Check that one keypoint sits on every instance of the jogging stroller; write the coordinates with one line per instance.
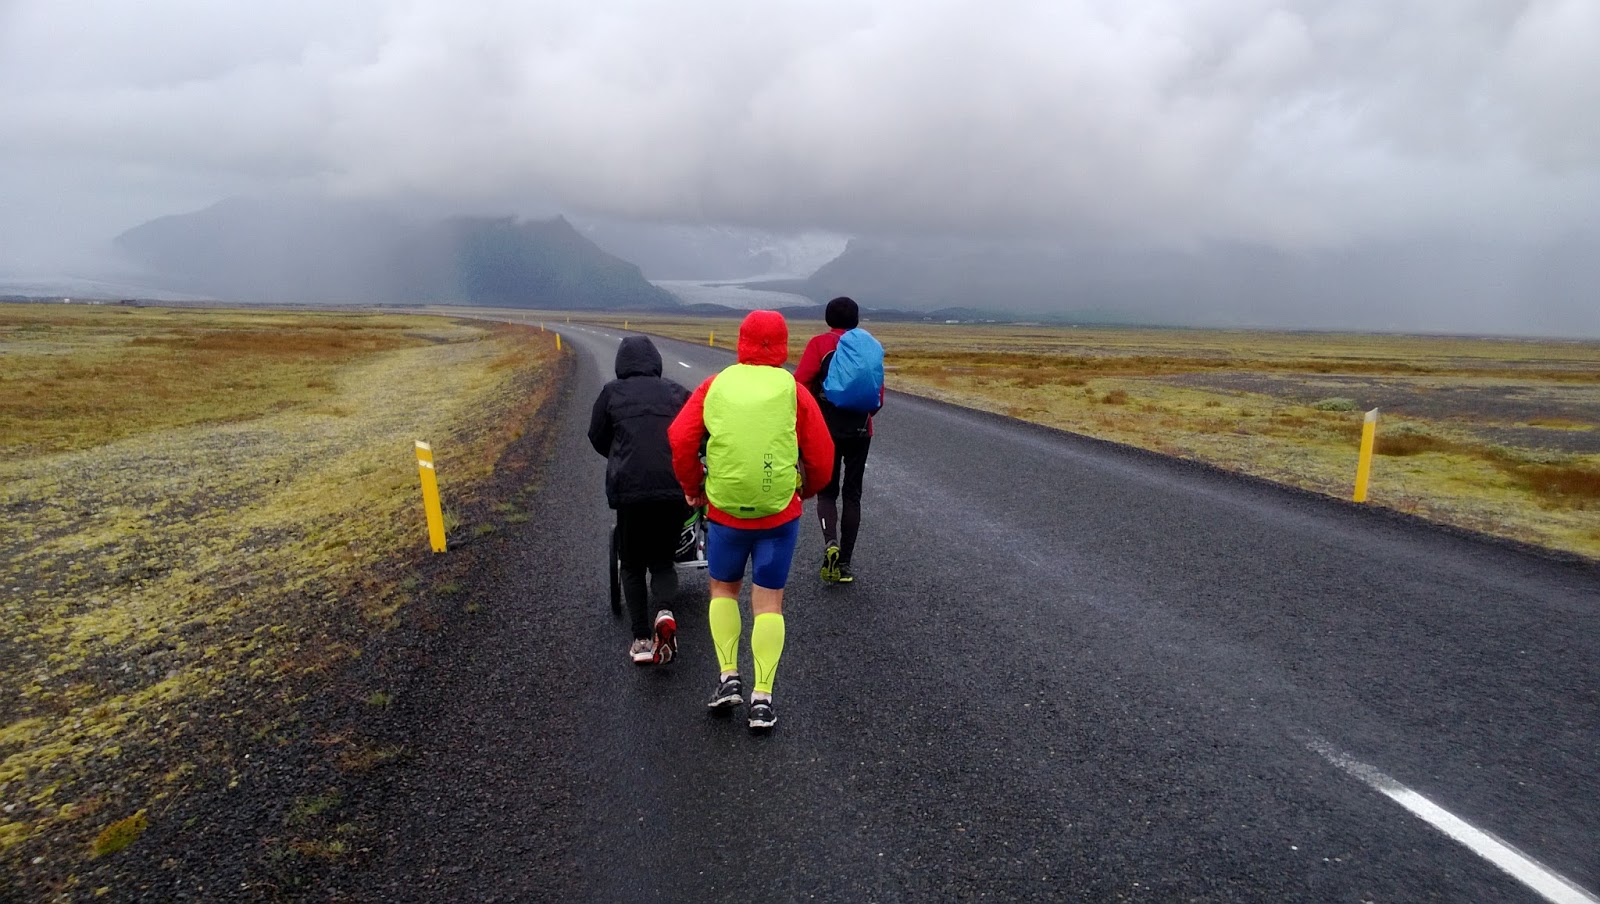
(691, 553)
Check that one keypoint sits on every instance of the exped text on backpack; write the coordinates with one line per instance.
(855, 375)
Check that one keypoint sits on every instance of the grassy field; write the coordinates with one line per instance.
(195, 502)
(1500, 436)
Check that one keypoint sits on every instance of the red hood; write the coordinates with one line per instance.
(764, 339)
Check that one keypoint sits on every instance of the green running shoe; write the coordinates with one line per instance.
(830, 564)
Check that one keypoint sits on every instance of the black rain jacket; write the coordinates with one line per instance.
(629, 427)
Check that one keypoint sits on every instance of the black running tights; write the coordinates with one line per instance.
(647, 540)
(849, 469)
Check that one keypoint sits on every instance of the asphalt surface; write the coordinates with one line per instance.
(1067, 671)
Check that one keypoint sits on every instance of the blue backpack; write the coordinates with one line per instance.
(855, 375)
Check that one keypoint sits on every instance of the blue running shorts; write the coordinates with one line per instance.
(769, 550)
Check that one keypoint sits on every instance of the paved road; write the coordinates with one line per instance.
(1067, 672)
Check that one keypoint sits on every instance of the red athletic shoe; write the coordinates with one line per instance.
(666, 636)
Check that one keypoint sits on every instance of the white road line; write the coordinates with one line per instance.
(681, 364)
(1553, 886)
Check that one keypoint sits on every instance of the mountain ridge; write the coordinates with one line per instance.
(1449, 284)
(341, 252)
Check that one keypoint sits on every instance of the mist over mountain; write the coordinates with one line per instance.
(307, 250)
(1446, 284)
(695, 252)
(316, 250)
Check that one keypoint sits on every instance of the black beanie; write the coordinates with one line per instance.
(842, 313)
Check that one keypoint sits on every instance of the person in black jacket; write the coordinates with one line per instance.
(629, 427)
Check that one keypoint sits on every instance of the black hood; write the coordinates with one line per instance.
(637, 357)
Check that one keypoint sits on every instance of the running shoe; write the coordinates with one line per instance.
(730, 693)
(842, 574)
(830, 564)
(642, 652)
(666, 640)
(762, 718)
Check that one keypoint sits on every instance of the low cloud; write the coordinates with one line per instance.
(1171, 123)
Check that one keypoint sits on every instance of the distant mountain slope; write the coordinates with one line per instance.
(330, 252)
(968, 280)
(1448, 284)
(541, 264)
(933, 273)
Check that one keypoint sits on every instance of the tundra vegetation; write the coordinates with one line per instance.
(1500, 436)
(205, 512)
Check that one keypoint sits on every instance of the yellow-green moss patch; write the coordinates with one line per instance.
(120, 834)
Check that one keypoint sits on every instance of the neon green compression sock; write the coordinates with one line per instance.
(766, 645)
(725, 630)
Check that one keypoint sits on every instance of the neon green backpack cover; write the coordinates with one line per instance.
(751, 448)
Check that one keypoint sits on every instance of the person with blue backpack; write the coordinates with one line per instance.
(843, 370)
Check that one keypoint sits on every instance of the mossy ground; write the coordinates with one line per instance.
(1501, 436)
(170, 567)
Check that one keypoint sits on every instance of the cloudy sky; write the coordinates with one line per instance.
(1168, 123)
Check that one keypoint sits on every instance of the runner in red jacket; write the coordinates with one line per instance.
(766, 448)
(852, 438)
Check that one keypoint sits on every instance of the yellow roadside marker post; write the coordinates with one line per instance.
(1369, 433)
(624, 324)
(430, 496)
(711, 340)
(558, 342)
